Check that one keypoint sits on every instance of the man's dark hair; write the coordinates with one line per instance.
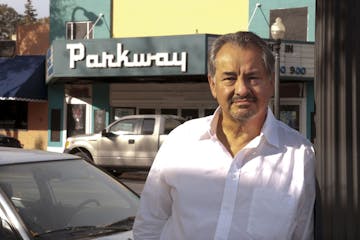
(244, 40)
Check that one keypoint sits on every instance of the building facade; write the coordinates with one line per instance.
(296, 57)
(113, 58)
(23, 93)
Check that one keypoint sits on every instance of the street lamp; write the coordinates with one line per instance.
(277, 33)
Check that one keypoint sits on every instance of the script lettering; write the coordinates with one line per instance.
(124, 59)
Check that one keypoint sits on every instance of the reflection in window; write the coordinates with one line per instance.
(148, 126)
(289, 114)
(146, 111)
(125, 126)
(14, 115)
(189, 113)
(209, 112)
(76, 119)
(79, 30)
(170, 124)
(171, 111)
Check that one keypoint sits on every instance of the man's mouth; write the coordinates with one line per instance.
(245, 100)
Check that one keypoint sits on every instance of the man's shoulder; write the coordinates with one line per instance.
(194, 127)
(288, 135)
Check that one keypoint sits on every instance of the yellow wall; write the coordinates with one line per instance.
(166, 17)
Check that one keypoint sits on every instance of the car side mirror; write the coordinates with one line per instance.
(104, 133)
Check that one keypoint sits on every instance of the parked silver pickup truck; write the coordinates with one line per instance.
(126, 144)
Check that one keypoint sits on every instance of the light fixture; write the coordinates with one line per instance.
(278, 29)
(277, 33)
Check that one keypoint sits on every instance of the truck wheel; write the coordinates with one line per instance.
(84, 155)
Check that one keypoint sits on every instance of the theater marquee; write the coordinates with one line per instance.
(128, 57)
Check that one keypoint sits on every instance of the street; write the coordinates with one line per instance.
(134, 180)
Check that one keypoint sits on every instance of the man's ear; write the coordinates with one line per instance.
(211, 81)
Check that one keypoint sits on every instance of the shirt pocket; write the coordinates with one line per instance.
(271, 214)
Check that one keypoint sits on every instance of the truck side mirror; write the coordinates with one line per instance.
(104, 133)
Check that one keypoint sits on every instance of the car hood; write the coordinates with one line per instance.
(119, 236)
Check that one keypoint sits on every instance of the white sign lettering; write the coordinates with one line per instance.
(121, 59)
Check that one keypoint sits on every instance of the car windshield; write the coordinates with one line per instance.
(59, 196)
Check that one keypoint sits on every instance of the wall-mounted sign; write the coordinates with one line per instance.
(129, 57)
(156, 56)
(296, 59)
(123, 58)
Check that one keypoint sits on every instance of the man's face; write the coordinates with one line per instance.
(241, 84)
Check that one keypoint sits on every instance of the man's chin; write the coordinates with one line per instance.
(242, 114)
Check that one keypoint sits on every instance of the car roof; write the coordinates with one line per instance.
(9, 155)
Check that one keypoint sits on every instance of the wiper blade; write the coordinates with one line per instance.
(74, 230)
(124, 224)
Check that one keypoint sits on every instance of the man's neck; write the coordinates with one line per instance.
(235, 135)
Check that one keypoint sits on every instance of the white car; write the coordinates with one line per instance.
(46, 195)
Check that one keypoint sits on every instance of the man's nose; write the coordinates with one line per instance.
(241, 87)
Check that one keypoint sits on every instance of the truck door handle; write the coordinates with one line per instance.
(131, 141)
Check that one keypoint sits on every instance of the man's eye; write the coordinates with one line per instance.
(229, 79)
(253, 79)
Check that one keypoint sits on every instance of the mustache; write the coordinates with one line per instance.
(248, 97)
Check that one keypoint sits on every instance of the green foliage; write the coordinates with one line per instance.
(29, 13)
(9, 18)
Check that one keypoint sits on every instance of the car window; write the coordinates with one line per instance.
(148, 126)
(126, 126)
(60, 194)
(20, 186)
(170, 124)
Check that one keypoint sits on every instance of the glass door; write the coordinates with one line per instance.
(76, 119)
(78, 110)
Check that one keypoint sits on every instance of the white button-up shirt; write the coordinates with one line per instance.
(196, 190)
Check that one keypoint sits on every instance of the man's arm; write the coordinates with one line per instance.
(304, 229)
(155, 202)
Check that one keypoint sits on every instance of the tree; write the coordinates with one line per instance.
(9, 18)
(29, 13)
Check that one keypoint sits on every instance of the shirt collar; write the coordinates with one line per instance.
(268, 131)
(211, 122)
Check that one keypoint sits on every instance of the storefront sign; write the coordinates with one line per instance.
(116, 58)
(159, 57)
(296, 59)
(78, 51)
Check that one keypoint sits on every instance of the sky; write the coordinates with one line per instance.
(41, 6)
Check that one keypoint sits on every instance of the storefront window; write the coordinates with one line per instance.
(14, 115)
(55, 125)
(289, 114)
(99, 123)
(171, 111)
(209, 112)
(121, 112)
(189, 113)
(79, 30)
(146, 111)
(76, 119)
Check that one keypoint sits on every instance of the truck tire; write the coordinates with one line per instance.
(84, 156)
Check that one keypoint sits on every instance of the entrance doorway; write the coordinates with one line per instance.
(78, 110)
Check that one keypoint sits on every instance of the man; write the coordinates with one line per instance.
(239, 174)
